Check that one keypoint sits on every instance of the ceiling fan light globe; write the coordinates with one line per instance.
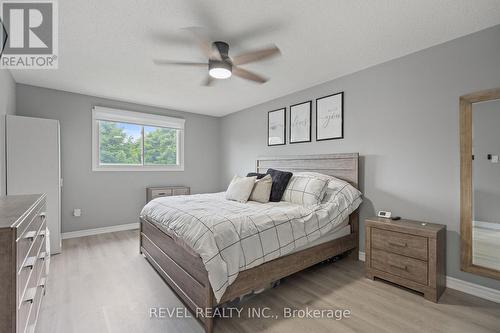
(219, 73)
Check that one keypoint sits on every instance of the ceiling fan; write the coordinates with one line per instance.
(220, 65)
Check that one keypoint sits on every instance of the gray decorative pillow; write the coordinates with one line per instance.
(305, 190)
(262, 189)
(240, 188)
(280, 181)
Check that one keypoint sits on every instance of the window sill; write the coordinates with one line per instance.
(138, 168)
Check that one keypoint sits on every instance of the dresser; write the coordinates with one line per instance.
(22, 261)
(408, 253)
(165, 191)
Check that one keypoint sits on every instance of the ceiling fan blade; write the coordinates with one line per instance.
(204, 43)
(208, 81)
(252, 56)
(247, 75)
(179, 63)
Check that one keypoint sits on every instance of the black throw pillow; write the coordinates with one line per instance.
(255, 174)
(280, 181)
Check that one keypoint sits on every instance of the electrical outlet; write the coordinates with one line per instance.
(494, 159)
(77, 212)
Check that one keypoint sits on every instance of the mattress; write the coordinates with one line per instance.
(231, 237)
(343, 230)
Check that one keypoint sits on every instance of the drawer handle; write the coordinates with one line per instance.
(163, 193)
(404, 268)
(42, 283)
(30, 235)
(42, 256)
(398, 244)
(43, 215)
(42, 233)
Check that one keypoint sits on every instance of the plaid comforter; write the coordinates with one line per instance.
(231, 237)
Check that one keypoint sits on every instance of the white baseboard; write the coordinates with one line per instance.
(464, 286)
(473, 289)
(96, 231)
(486, 225)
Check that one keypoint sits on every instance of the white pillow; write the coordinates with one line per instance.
(262, 189)
(240, 188)
(306, 189)
(315, 175)
(336, 187)
(340, 188)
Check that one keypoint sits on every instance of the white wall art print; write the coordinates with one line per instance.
(300, 122)
(330, 117)
(276, 123)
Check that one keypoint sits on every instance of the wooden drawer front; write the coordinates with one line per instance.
(25, 243)
(28, 275)
(26, 239)
(161, 193)
(33, 216)
(180, 191)
(23, 313)
(396, 242)
(407, 268)
(29, 305)
(35, 308)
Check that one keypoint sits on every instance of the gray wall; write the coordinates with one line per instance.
(486, 175)
(402, 117)
(7, 106)
(113, 198)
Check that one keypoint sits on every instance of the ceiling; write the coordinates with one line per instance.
(106, 47)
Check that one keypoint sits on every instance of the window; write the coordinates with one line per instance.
(134, 141)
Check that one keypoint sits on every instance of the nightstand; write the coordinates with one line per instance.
(408, 253)
(165, 191)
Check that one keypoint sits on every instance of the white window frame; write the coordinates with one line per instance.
(139, 118)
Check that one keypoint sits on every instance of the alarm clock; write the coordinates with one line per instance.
(384, 214)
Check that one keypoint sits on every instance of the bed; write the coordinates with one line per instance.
(203, 249)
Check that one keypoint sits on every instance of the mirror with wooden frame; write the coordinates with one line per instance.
(480, 183)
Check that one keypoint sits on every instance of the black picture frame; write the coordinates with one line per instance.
(341, 115)
(5, 36)
(310, 122)
(269, 128)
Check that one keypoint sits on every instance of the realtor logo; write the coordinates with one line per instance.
(31, 35)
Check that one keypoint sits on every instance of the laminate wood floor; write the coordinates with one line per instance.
(102, 284)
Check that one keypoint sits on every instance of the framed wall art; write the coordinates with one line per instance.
(300, 122)
(276, 127)
(330, 117)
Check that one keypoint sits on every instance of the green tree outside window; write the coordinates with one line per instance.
(121, 143)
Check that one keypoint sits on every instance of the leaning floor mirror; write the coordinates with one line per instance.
(480, 183)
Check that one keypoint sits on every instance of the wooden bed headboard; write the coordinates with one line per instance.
(342, 166)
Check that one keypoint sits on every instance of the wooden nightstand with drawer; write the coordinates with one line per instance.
(408, 253)
(165, 191)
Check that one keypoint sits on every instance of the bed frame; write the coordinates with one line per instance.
(183, 269)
